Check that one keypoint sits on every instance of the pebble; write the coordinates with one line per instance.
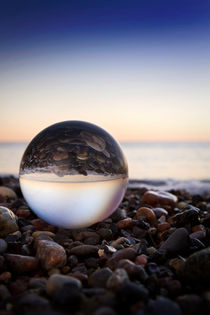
(21, 264)
(5, 276)
(141, 259)
(23, 213)
(134, 271)
(161, 306)
(146, 213)
(105, 311)
(117, 279)
(190, 216)
(57, 281)
(84, 250)
(163, 226)
(197, 266)
(7, 192)
(3, 246)
(125, 224)
(124, 241)
(38, 233)
(200, 235)
(176, 243)
(51, 254)
(105, 234)
(160, 199)
(177, 263)
(118, 215)
(41, 225)
(190, 304)
(4, 292)
(131, 294)
(99, 278)
(8, 222)
(159, 212)
(125, 253)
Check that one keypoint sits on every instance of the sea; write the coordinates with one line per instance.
(165, 164)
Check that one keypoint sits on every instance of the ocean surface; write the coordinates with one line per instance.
(146, 160)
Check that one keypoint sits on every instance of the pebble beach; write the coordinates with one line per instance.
(151, 256)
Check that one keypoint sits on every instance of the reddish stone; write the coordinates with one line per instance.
(141, 259)
(163, 226)
(5, 276)
(147, 213)
(160, 199)
(41, 225)
(23, 213)
(51, 254)
(20, 263)
(125, 223)
(125, 253)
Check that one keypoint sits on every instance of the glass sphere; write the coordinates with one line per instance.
(73, 174)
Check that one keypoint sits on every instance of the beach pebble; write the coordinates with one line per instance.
(197, 266)
(41, 225)
(121, 241)
(125, 253)
(146, 213)
(188, 216)
(20, 263)
(125, 224)
(159, 212)
(4, 292)
(105, 234)
(130, 294)
(177, 263)
(57, 281)
(117, 279)
(159, 199)
(141, 259)
(5, 276)
(38, 233)
(51, 254)
(161, 305)
(177, 242)
(99, 278)
(7, 192)
(23, 213)
(133, 270)
(190, 303)
(8, 222)
(118, 215)
(200, 235)
(105, 311)
(84, 250)
(3, 246)
(161, 227)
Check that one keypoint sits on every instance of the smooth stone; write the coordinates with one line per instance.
(176, 243)
(99, 278)
(190, 216)
(125, 224)
(200, 235)
(20, 263)
(3, 246)
(190, 303)
(159, 212)
(105, 233)
(33, 303)
(51, 254)
(117, 279)
(7, 192)
(8, 222)
(131, 293)
(41, 225)
(134, 271)
(120, 241)
(125, 253)
(38, 233)
(161, 199)
(56, 281)
(197, 267)
(118, 215)
(161, 306)
(84, 250)
(146, 213)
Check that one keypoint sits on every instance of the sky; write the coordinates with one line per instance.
(139, 69)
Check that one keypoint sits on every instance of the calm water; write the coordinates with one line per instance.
(145, 160)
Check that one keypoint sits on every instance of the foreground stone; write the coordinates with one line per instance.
(20, 263)
(51, 254)
(8, 222)
(57, 281)
(7, 192)
(160, 199)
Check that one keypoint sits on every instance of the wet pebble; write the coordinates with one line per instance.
(118, 215)
(84, 250)
(20, 263)
(99, 277)
(160, 212)
(160, 199)
(146, 213)
(8, 222)
(176, 243)
(133, 270)
(197, 266)
(125, 253)
(51, 254)
(7, 192)
(188, 216)
(125, 224)
(161, 306)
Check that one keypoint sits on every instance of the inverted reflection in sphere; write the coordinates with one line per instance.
(73, 174)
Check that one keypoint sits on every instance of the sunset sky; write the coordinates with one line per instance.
(139, 69)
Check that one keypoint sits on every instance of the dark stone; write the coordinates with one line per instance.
(20, 263)
(84, 250)
(177, 243)
(161, 306)
(99, 278)
(125, 253)
(129, 294)
(118, 215)
(190, 215)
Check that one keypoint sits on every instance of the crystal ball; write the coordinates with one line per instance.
(73, 174)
